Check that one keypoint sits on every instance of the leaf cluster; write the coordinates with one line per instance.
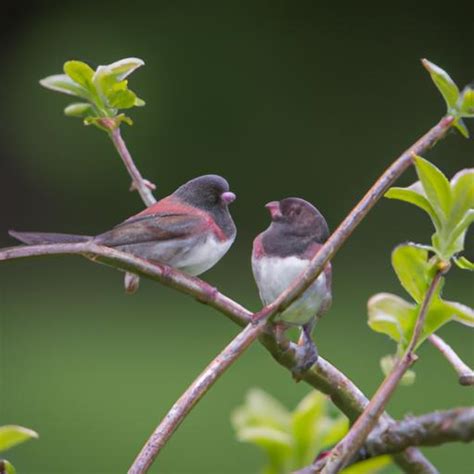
(103, 92)
(290, 439)
(459, 104)
(450, 206)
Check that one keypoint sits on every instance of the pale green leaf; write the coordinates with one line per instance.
(457, 235)
(413, 270)
(261, 409)
(79, 72)
(466, 105)
(462, 189)
(413, 197)
(119, 69)
(449, 90)
(79, 109)
(392, 315)
(436, 186)
(464, 263)
(305, 425)
(460, 312)
(275, 443)
(439, 313)
(11, 435)
(63, 83)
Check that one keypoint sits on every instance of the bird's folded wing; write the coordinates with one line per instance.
(152, 228)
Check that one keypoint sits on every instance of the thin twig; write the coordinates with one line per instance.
(317, 264)
(432, 429)
(465, 373)
(351, 443)
(143, 186)
(192, 395)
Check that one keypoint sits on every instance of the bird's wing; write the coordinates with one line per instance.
(153, 228)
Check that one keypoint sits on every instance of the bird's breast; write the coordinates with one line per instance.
(275, 274)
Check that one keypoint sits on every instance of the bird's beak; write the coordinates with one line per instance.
(228, 197)
(274, 208)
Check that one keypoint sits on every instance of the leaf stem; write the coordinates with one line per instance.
(465, 373)
(351, 443)
(142, 185)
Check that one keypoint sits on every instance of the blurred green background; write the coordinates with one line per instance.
(282, 98)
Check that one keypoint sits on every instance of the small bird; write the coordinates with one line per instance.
(190, 230)
(280, 254)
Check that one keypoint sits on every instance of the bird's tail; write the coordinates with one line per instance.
(40, 238)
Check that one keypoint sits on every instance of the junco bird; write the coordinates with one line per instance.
(190, 230)
(280, 254)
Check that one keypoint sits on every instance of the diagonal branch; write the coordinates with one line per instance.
(192, 395)
(209, 295)
(344, 451)
(432, 429)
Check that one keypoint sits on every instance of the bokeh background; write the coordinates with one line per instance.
(283, 98)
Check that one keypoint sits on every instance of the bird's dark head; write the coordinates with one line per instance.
(206, 192)
(298, 217)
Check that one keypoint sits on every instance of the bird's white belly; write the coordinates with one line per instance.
(274, 275)
(190, 256)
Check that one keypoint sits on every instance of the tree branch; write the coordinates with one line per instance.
(323, 376)
(143, 186)
(431, 429)
(209, 295)
(192, 395)
(350, 444)
(465, 373)
(329, 249)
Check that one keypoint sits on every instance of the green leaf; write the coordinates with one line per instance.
(124, 99)
(462, 189)
(461, 127)
(461, 313)
(411, 196)
(436, 186)
(464, 263)
(119, 69)
(449, 90)
(456, 238)
(275, 443)
(439, 313)
(11, 435)
(305, 426)
(392, 315)
(388, 362)
(109, 79)
(261, 409)
(466, 102)
(79, 109)
(64, 84)
(413, 269)
(6, 467)
(80, 72)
